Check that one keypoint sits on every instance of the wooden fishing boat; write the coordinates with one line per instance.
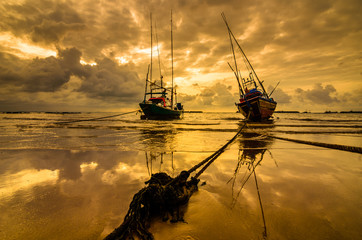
(156, 108)
(254, 101)
(160, 102)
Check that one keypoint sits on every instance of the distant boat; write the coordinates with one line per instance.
(254, 103)
(156, 103)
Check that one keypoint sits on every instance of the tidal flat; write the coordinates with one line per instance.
(76, 180)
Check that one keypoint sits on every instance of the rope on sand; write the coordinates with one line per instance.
(319, 144)
(215, 155)
(92, 119)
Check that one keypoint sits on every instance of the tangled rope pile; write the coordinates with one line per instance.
(163, 196)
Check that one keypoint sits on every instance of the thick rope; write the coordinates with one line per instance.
(213, 156)
(319, 144)
(92, 119)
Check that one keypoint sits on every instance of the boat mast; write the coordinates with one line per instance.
(227, 25)
(151, 56)
(171, 63)
(240, 88)
(158, 52)
(237, 75)
(148, 71)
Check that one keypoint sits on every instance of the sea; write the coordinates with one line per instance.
(73, 175)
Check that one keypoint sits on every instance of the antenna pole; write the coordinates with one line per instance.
(151, 47)
(148, 71)
(274, 89)
(151, 56)
(158, 52)
(171, 63)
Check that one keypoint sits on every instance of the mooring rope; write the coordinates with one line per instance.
(92, 119)
(215, 155)
(319, 144)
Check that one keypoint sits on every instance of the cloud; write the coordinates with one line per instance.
(44, 75)
(217, 96)
(318, 95)
(46, 22)
(40, 74)
(10, 66)
(300, 42)
(109, 80)
(280, 95)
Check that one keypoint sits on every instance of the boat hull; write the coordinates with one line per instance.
(260, 108)
(155, 112)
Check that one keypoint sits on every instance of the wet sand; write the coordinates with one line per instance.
(304, 192)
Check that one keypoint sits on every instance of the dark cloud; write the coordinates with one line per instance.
(40, 74)
(44, 75)
(319, 94)
(106, 81)
(44, 21)
(10, 67)
(51, 32)
(109, 80)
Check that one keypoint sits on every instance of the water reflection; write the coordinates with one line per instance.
(252, 148)
(159, 143)
(159, 162)
(159, 138)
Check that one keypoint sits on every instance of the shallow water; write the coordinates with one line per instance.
(76, 180)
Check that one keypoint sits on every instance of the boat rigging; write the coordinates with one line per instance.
(159, 106)
(254, 99)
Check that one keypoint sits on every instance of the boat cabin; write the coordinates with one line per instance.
(158, 101)
(251, 94)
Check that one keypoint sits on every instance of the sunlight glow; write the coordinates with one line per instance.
(267, 49)
(148, 50)
(86, 63)
(188, 52)
(121, 60)
(249, 30)
(25, 180)
(22, 48)
(111, 176)
(122, 171)
(134, 16)
(88, 166)
(179, 22)
(193, 70)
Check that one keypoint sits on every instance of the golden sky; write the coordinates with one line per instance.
(87, 55)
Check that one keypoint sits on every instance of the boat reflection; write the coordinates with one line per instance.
(159, 162)
(159, 145)
(252, 149)
(159, 139)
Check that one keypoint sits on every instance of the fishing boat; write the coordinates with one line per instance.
(160, 102)
(254, 102)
